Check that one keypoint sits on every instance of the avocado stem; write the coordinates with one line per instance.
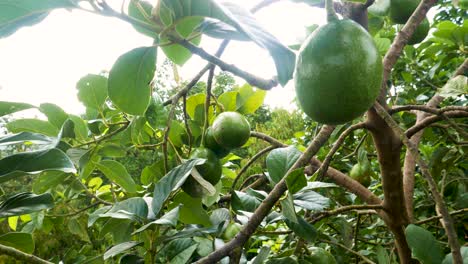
(331, 14)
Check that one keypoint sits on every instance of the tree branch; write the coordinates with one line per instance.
(248, 77)
(367, 260)
(336, 146)
(440, 205)
(400, 41)
(321, 215)
(269, 201)
(21, 256)
(436, 217)
(249, 163)
(432, 119)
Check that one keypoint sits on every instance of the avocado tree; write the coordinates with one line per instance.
(371, 169)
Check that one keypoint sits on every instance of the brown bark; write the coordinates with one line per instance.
(388, 147)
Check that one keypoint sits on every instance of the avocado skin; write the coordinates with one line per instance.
(401, 10)
(231, 130)
(338, 73)
(420, 33)
(211, 143)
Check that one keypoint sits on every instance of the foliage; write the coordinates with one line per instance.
(111, 178)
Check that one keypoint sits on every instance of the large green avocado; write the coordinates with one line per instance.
(401, 10)
(211, 143)
(211, 171)
(338, 72)
(420, 33)
(231, 130)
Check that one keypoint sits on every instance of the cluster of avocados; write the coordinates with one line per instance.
(229, 130)
(401, 11)
(338, 71)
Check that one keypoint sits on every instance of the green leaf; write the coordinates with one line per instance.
(302, 229)
(129, 80)
(21, 241)
(115, 250)
(219, 216)
(464, 252)
(239, 18)
(248, 100)
(77, 226)
(241, 201)
(261, 256)
(26, 137)
(34, 126)
(455, 87)
(152, 173)
(287, 208)
(170, 218)
(156, 114)
(382, 255)
(54, 113)
(296, 180)
(424, 246)
(192, 211)
(228, 100)
(30, 163)
(311, 200)
(7, 108)
(192, 102)
(15, 14)
(92, 90)
(171, 182)
(25, 203)
(184, 256)
(48, 180)
(117, 173)
(173, 248)
(383, 44)
(279, 161)
(220, 30)
(283, 260)
(112, 150)
(134, 208)
(141, 10)
(379, 7)
(175, 52)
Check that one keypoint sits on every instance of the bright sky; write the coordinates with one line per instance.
(43, 63)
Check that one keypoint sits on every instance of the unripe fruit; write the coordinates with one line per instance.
(211, 143)
(320, 256)
(401, 10)
(338, 73)
(211, 171)
(420, 33)
(231, 231)
(361, 172)
(231, 130)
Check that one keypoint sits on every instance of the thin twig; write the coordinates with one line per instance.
(21, 256)
(321, 215)
(321, 171)
(436, 217)
(209, 85)
(90, 194)
(248, 164)
(76, 212)
(349, 250)
(187, 127)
